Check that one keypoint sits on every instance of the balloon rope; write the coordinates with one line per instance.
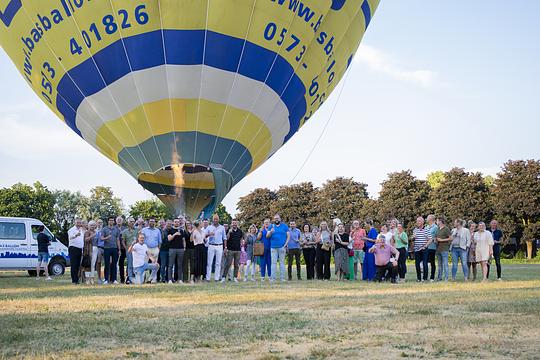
(324, 128)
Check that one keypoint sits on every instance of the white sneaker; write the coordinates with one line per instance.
(222, 280)
(104, 282)
(170, 281)
(235, 280)
(499, 279)
(252, 278)
(115, 282)
(245, 279)
(37, 278)
(180, 282)
(48, 278)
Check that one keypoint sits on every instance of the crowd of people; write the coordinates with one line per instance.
(180, 251)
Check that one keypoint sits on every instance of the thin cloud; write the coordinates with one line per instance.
(378, 60)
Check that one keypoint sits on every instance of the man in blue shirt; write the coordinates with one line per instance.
(152, 237)
(293, 250)
(279, 236)
(432, 247)
(497, 241)
(216, 235)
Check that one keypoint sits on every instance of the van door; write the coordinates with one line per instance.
(13, 245)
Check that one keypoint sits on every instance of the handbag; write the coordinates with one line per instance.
(325, 246)
(86, 261)
(258, 249)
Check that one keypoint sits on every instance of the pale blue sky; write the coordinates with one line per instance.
(434, 85)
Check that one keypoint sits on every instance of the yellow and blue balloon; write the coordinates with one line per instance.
(188, 96)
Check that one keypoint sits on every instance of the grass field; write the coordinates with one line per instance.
(295, 320)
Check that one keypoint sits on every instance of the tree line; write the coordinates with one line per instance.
(512, 197)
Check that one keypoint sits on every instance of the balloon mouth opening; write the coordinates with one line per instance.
(184, 188)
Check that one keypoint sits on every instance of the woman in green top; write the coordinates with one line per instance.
(401, 241)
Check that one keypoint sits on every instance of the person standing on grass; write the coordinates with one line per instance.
(432, 248)
(163, 258)
(233, 247)
(86, 266)
(97, 251)
(459, 248)
(129, 237)
(341, 254)
(443, 240)
(497, 242)
(198, 236)
(140, 253)
(388, 235)
(111, 238)
(369, 268)
(189, 254)
(152, 237)
(251, 238)
(43, 241)
(266, 259)
(176, 237)
(401, 241)
(216, 236)
(324, 251)
(279, 236)
(307, 240)
(123, 249)
(422, 240)
(293, 251)
(386, 259)
(76, 244)
(357, 235)
(471, 256)
(484, 248)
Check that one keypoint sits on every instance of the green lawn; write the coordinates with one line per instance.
(296, 320)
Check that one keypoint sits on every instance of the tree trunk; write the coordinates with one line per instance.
(529, 250)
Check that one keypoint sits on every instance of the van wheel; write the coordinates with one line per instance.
(57, 268)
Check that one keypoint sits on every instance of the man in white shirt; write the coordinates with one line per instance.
(76, 244)
(216, 236)
(139, 251)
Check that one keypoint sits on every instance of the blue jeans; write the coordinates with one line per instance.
(139, 272)
(459, 253)
(278, 254)
(163, 265)
(442, 263)
(266, 263)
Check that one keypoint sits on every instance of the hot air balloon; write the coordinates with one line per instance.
(187, 96)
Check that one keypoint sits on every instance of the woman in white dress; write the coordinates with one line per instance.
(484, 247)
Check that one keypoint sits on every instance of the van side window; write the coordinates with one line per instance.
(12, 231)
(35, 233)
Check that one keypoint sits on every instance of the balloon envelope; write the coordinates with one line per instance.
(188, 96)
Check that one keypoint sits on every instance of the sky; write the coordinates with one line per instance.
(434, 85)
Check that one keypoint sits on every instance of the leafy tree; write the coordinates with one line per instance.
(67, 206)
(102, 203)
(296, 202)
(224, 216)
(341, 197)
(517, 197)
(22, 200)
(404, 197)
(256, 206)
(152, 208)
(435, 179)
(370, 210)
(462, 195)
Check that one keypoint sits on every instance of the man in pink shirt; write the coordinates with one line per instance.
(384, 261)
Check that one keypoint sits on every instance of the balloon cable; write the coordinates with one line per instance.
(324, 128)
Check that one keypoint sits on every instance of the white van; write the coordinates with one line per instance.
(19, 248)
